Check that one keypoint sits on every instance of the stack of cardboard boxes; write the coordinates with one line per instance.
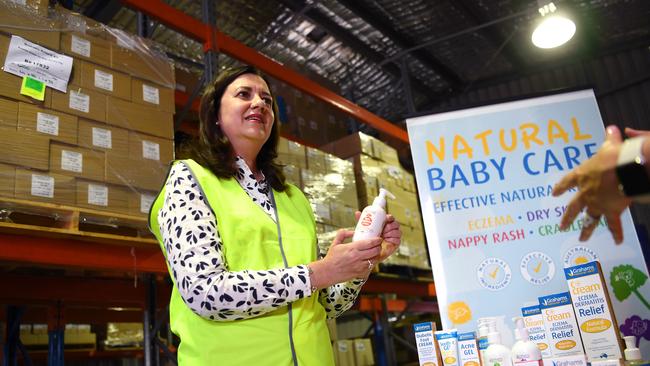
(105, 143)
(376, 165)
(327, 181)
(306, 117)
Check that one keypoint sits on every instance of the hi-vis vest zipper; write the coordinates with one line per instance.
(291, 335)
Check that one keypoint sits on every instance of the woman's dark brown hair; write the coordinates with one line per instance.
(213, 150)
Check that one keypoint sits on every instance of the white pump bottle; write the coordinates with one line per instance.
(372, 219)
(496, 354)
(524, 351)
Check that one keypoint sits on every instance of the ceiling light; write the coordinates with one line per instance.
(554, 30)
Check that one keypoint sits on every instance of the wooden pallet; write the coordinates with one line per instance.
(24, 217)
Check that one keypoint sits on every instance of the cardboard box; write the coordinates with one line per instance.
(29, 24)
(153, 95)
(103, 80)
(45, 187)
(102, 196)
(8, 113)
(140, 202)
(141, 118)
(363, 355)
(102, 136)
(132, 59)
(134, 173)
(81, 102)
(292, 153)
(7, 180)
(344, 352)
(292, 175)
(24, 148)
(53, 124)
(316, 160)
(120, 170)
(186, 81)
(351, 145)
(10, 88)
(150, 149)
(77, 161)
(87, 47)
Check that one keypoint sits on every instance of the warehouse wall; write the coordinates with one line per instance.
(621, 82)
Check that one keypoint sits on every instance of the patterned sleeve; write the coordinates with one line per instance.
(194, 252)
(338, 298)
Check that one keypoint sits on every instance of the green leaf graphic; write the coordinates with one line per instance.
(625, 280)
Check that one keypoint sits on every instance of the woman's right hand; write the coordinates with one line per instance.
(345, 262)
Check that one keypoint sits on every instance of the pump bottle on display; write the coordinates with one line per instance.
(524, 352)
(372, 219)
(632, 353)
(496, 354)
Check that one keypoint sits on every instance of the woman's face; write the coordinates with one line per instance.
(246, 111)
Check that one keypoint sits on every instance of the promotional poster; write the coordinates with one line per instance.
(485, 177)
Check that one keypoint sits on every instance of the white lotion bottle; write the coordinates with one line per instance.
(524, 351)
(497, 354)
(372, 219)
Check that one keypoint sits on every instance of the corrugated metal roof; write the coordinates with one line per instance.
(350, 43)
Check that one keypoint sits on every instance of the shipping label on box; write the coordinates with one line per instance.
(87, 47)
(97, 135)
(46, 187)
(81, 102)
(77, 161)
(105, 80)
(56, 125)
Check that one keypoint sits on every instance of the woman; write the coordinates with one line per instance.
(240, 243)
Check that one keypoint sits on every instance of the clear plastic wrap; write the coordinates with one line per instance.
(87, 161)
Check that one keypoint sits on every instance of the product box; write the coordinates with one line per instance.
(150, 149)
(56, 125)
(534, 322)
(77, 161)
(344, 352)
(102, 196)
(102, 79)
(363, 355)
(102, 136)
(135, 57)
(121, 170)
(448, 345)
(428, 354)
(468, 349)
(561, 326)
(593, 309)
(8, 113)
(140, 118)
(46, 187)
(153, 95)
(573, 360)
(81, 102)
(24, 148)
(87, 47)
(7, 180)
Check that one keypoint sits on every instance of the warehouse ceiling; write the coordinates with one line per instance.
(363, 48)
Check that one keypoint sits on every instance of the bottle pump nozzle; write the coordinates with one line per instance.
(380, 200)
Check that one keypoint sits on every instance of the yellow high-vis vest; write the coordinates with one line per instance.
(291, 335)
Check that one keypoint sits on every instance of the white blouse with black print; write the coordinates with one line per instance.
(194, 253)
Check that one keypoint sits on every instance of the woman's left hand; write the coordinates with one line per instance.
(391, 234)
